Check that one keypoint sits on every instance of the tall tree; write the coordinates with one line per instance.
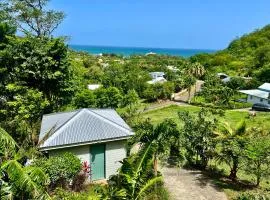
(198, 134)
(32, 16)
(158, 136)
(232, 143)
(257, 153)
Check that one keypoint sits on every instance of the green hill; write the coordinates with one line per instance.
(248, 55)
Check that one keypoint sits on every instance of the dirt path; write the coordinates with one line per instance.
(190, 185)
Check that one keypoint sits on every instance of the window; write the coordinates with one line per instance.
(250, 97)
(261, 100)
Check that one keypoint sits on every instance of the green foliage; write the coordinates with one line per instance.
(85, 99)
(131, 98)
(32, 16)
(236, 83)
(245, 56)
(231, 144)
(253, 196)
(159, 91)
(6, 30)
(20, 181)
(8, 145)
(109, 97)
(61, 168)
(257, 153)
(136, 177)
(215, 92)
(35, 78)
(94, 193)
(198, 135)
(264, 74)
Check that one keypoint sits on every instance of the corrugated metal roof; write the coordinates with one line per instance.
(265, 87)
(256, 93)
(82, 126)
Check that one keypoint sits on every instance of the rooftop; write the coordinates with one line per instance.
(81, 126)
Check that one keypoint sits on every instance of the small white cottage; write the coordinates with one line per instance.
(260, 95)
(97, 136)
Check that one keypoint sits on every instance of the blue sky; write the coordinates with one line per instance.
(196, 24)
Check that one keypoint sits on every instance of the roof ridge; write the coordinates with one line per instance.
(109, 119)
(72, 117)
(54, 131)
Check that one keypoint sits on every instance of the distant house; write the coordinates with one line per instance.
(93, 86)
(150, 53)
(157, 77)
(224, 77)
(260, 95)
(97, 136)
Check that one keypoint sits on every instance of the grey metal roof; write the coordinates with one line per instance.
(82, 126)
(265, 87)
(257, 93)
(263, 91)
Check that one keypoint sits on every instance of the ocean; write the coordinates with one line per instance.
(127, 51)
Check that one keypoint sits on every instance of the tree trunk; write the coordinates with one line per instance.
(189, 91)
(155, 165)
(258, 180)
(234, 169)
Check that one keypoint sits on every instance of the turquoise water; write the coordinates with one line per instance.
(127, 51)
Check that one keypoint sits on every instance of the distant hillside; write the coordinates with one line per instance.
(248, 55)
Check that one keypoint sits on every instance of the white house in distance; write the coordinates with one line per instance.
(157, 77)
(97, 136)
(260, 95)
(93, 86)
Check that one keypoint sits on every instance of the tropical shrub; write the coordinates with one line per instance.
(110, 97)
(85, 99)
(231, 143)
(257, 152)
(61, 169)
(131, 98)
(198, 133)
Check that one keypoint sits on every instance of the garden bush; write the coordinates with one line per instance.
(61, 168)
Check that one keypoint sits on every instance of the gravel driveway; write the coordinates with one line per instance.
(190, 185)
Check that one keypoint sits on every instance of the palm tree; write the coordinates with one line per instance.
(231, 143)
(188, 81)
(159, 136)
(29, 181)
(197, 70)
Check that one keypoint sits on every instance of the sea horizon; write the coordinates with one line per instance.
(127, 51)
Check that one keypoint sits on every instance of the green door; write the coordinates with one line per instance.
(97, 153)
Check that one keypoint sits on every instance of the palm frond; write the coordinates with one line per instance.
(138, 167)
(8, 144)
(143, 157)
(25, 179)
(240, 128)
(149, 184)
(5, 191)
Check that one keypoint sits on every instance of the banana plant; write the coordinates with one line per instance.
(23, 181)
(136, 175)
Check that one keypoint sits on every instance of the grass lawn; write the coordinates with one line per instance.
(231, 116)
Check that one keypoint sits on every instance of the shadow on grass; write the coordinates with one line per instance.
(221, 181)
